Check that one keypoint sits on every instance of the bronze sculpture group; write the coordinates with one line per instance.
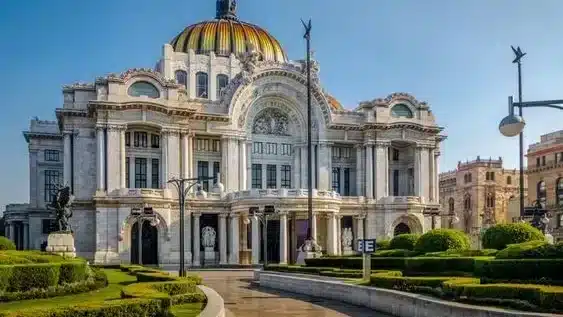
(61, 206)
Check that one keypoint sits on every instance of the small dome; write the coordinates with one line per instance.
(226, 35)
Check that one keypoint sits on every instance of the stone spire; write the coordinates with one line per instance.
(226, 9)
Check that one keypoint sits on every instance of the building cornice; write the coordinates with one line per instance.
(41, 135)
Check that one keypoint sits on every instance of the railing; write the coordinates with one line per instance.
(144, 192)
(297, 193)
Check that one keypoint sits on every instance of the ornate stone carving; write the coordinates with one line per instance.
(347, 238)
(208, 236)
(271, 121)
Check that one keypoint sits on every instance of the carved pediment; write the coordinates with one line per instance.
(271, 121)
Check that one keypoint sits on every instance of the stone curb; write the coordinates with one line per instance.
(396, 303)
(215, 306)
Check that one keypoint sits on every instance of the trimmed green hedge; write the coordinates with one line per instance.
(6, 244)
(501, 235)
(395, 253)
(540, 271)
(22, 257)
(461, 253)
(382, 244)
(537, 249)
(405, 241)
(22, 277)
(442, 240)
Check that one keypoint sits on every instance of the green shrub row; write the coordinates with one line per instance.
(395, 253)
(404, 241)
(501, 235)
(23, 257)
(522, 296)
(6, 244)
(324, 271)
(96, 281)
(22, 277)
(540, 271)
(442, 240)
(536, 249)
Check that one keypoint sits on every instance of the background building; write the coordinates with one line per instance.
(225, 101)
(545, 174)
(478, 193)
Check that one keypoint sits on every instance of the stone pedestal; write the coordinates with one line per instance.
(549, 238)
(209, 255)
(309, 250)
(61, 243)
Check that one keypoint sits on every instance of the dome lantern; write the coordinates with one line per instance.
(226, 9)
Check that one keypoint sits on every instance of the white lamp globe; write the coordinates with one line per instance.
(511, 125)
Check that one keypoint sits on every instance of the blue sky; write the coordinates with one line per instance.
(453, 54)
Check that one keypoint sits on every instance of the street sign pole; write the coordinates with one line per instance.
(367, 247)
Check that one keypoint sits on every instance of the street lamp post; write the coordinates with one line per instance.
(263, 217)
(513, 125)
(140, 216)
(183, 186)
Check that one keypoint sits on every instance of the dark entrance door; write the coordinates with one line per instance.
(273, 234)
(149, 244)
(401, 228)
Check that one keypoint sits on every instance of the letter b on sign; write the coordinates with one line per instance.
(366, 246)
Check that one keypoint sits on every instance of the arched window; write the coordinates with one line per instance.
(401, 111)
(451, 205)
(559, 192)
(201, 87)
(509, 180)
(143, 88)
(182, 78)
(467, 202)
(222, 82)
(541, 192)
(490, 200)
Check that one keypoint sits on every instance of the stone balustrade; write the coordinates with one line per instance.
(290, 193)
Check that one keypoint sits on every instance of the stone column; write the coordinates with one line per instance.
(242, 164)
(187, 237)
(13, 232)
(359, 170)
(331, 243)
(369, 171)
(196, 235)
(314, 226)
(122, 165)
(424, 180)
(431, 178)
(359, 234)
(296, 180)
(381, 170)
(248, 146)
(255, 240)
(164, 161)
(224, 164)
(234, 241)
(7, 230)
(304, 161)
(417, 170)
(190, 155)
(283, 238)
(67, 160)
(437, 175)
(323, 167)
(185, 155)
(223, 239)
(25, 236)
(100, 158)
(339, 235)
(132, 172)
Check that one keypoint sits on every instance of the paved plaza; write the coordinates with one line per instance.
(243, 299)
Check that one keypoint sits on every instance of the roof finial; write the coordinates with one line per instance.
(226, 9)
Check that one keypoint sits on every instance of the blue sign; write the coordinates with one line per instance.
(366, 245)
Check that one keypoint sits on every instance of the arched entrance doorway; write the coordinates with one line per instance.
(149, 244)
(401, 228)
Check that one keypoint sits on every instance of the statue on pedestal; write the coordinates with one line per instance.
(208, 236)
(62, 241)
(347, 237)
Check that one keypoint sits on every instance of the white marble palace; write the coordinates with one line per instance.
(224, 100)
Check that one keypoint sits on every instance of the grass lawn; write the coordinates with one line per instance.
(188, 310)
(117, 280)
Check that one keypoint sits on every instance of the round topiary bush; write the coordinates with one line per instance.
(404, 241)
(6, 244)
(501, 235)
(442, 240)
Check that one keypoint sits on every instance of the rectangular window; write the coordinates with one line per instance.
(155, 141)
(155, 173)
(257, 176)
(561, 157)
(395, 182)
(47, 226)
(395, 155)
(257, 148)
(203, 171)
(52, 180)
(127, 138)
(271, 177)
(543, 161)
(127, 172)
(286, 149)
(285, 176)
(537, 161)
(216, 169)
(140, 139)
(492, 176)
(336, 179)
(52, 156)
(346, 182)
(140, 172)
(271, 148)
